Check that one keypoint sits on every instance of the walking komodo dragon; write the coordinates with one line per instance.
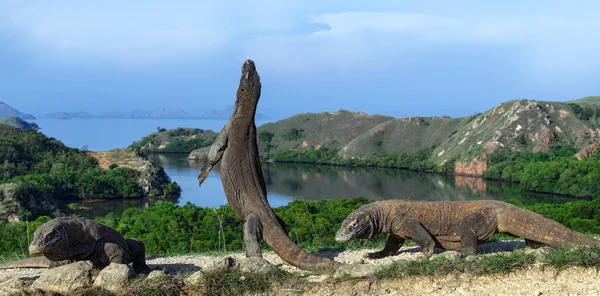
(69, 239)
(243, 181)
(459, 226)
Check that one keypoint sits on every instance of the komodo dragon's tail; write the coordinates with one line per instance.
(35, 262)
(291, 253)
(535, 227)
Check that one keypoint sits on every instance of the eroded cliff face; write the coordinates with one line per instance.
(475, 167)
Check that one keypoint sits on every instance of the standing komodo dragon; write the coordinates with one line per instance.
(69, 239)
(243, 182)
(459, 226)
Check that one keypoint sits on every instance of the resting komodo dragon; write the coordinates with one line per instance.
(459, 226)
(69, 239)
(242, 179)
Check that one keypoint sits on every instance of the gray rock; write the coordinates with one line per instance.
(12, 286)
(156, 274)
(317, 278)
(217, 264)
(356, 270)
(253, 265)
(114, 277)
(196, 278)
(65, 278)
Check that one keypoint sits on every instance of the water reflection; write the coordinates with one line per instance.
(287, 182)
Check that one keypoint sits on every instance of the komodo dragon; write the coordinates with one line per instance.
(459, 226)
(69, 239)
(242, 179)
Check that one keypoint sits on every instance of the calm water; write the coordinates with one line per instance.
(285, 182)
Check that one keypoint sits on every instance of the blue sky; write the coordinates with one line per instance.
(390, 57)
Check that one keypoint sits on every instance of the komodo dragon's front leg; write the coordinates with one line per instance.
(392, 246)
(215, 153)
(415, 231)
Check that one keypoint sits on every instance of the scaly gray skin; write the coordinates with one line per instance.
(69, 239)
(459, 226)
(243, 181)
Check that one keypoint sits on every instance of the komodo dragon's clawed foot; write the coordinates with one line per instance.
(376, 255)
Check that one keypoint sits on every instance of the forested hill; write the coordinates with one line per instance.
(40, 175)
(495, 143)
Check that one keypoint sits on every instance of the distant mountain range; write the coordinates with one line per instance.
(6, 110)
(140, 114)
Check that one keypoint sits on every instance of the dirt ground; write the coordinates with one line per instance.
(535, 281)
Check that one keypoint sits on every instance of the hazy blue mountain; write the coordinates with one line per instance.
(6, 110)
(138, 113)
(226, 113)
(69, 115)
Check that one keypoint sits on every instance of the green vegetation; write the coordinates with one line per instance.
(416, 161)
(557, 172)
(37, 169)
(169, 229)
(179, 140)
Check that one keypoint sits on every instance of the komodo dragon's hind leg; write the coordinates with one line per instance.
(474, 228)
(252, 236)
(137, 251)
(392, 246)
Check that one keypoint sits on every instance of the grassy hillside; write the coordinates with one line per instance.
(317, 130)
(404, 134)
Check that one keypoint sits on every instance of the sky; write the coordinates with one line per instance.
(391, 57)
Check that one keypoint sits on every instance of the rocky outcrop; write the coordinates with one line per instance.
(475, 167)
(588, 151)
(66, 278)
(114, 277)
(152, 176)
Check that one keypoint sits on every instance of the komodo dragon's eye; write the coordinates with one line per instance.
(50, 237)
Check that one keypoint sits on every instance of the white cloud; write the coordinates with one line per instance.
(542, 44)
(147, 32)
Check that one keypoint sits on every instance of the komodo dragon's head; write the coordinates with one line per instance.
(357, 225)
(50, 239)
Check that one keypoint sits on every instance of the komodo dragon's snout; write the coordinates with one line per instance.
(354, 226)
(49, 239)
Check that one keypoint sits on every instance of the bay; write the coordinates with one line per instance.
(285, 182)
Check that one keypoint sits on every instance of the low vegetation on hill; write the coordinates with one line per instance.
(39, 175)
(179, 140)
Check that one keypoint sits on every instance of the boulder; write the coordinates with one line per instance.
(12, 286)
(196, 278)
(65, 278)
(253, 265)
(114, 277)
(156, 274)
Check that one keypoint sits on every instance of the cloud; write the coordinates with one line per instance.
(305, 37)
(540, 44)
